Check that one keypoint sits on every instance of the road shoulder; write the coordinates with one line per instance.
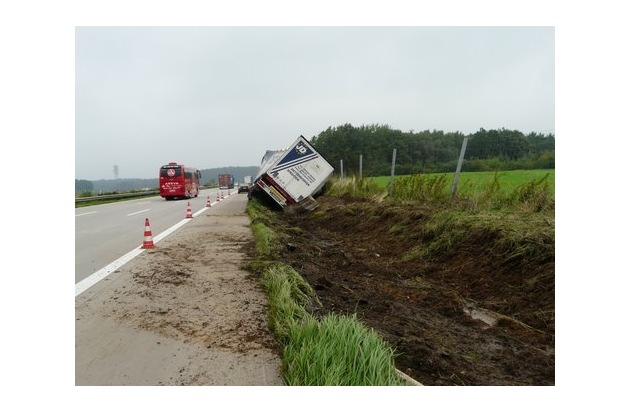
(184, 313)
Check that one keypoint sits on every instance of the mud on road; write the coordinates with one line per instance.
(475, 316)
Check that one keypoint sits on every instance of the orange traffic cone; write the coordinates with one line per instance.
(208, 204)
(188, 212)
(148, 237)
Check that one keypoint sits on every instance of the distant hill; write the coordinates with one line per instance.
(239, 172)
(209, 177)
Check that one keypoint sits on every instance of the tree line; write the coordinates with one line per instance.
(416, 152)
(432, 151)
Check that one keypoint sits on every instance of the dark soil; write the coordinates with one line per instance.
(351, 254)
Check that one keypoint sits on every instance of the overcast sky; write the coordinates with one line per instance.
(221, 96)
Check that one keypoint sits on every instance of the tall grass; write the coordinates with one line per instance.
(421, 188)
(530, 236)
(289, 295)
(515, 208)
(476, 191)
(534, 195)
(476, 181)
(338, 350)
(352, 186)
(267, 242)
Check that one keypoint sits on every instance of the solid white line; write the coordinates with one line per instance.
(94, 278)
(83, 214)
(135, 213)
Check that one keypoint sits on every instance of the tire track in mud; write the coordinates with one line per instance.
(193, 290)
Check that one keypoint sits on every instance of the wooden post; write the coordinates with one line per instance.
(341, 167)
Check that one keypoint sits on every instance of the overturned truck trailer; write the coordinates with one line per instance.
(293, 176)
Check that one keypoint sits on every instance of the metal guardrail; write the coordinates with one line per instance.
(115, 196)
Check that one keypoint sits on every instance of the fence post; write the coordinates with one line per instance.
(341, 167)
(459, 167)
(391, 186)
(360, 167)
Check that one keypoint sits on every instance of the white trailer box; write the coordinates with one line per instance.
(293, 175)
(268, 160)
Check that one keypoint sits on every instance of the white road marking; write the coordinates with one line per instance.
(135, 213)
(83, 214)
(94, 278)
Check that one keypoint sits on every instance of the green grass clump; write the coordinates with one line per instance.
(289, 295)
(257, 212)
(267, 243)
(535, 195)
(338, 350)
(421, 188)
(514, 235)
(443, 232)
(352, 186)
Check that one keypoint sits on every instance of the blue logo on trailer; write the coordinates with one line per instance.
(299, 151)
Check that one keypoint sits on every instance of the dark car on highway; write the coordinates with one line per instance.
(243, 188)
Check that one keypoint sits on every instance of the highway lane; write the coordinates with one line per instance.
(104, 233)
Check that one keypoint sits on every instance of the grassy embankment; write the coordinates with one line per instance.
(339, 350)
(332, 351)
